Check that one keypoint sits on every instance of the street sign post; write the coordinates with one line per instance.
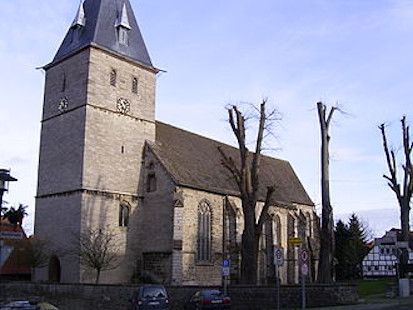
(304, 269)
(226, 268)
(278, 262)
(278, 256)
(295, 241)
(304, 273)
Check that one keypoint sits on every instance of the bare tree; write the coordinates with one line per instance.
(98, 250)
(403, 189)
(326, 266)
(38, 253)
(245, 172)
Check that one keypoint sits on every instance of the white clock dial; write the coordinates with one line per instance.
(63, 105)
(123, 105)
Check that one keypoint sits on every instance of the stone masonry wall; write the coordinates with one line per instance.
(116, 297)
(195, 273)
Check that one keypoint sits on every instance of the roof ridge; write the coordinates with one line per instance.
(216, 141)
(97, 19)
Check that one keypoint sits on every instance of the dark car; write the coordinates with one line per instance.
(28, 305)
(150, 297)
(208, 299)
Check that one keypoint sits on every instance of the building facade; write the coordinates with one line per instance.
(383, 258)
(106, 163)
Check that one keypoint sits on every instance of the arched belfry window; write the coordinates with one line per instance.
(204, 231)
(113, 77)
(63, 88)
(134, 85)
(124, 211)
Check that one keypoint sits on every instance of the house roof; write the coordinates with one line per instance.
(194, 161)
(96, 23)
(18, 262)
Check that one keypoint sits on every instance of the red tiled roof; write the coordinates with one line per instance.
(18, 261)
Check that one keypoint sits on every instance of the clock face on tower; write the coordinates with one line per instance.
(123, 105)
(63, 105)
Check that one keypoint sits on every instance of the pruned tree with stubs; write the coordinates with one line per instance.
(245, 171)
(98, 250)
(326, 263)
(400, 183)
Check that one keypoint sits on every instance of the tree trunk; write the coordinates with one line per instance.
(326, 264)
(404, 219)
(97, 276)
(249, 261)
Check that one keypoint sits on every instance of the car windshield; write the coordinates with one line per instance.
(154, 292)
(213, 293)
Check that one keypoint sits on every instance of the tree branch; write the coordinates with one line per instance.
(264, 211)
(229, 163)
(257, 155)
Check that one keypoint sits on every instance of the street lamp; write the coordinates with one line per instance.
(5, 178)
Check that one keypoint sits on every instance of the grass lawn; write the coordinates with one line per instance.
(372, 287)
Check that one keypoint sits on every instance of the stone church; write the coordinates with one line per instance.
(106, 163)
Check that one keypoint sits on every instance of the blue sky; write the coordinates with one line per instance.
(357, 53)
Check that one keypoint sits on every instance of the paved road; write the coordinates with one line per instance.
(377, 304)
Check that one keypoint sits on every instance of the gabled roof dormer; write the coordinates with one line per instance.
(123, 19)
(80, 20)
(122, 25)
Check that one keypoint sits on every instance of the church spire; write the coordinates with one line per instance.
(123, 21)
(80, 16)
(111, 25)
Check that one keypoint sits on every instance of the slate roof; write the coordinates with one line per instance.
(101, 18)
(194, 161)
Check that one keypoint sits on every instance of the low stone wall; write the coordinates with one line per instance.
(116, 296)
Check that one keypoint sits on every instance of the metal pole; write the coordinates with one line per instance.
(302, 262)
(303, 289)
(1, 240)
(277, 281)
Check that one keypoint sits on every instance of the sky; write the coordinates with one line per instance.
(357, 54)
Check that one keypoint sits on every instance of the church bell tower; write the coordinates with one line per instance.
(98, 111)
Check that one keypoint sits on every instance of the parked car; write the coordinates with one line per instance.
(208, 299)
(149, 297)
(27, 305)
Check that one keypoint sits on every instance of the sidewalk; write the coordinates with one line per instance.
(375, 303)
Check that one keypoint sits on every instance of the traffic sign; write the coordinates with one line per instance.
(304, 269)
(226, 264)
(225, 271)
(278, 256)
(295, 241)
(304, 256)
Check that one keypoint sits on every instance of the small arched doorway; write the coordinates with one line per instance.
(54, 269)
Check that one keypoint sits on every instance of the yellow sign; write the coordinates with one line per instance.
(295, 241)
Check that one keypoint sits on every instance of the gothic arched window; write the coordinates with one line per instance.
(204, 231)
(277, 230)
(309, 228)
(113, 77)
(124, 211)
